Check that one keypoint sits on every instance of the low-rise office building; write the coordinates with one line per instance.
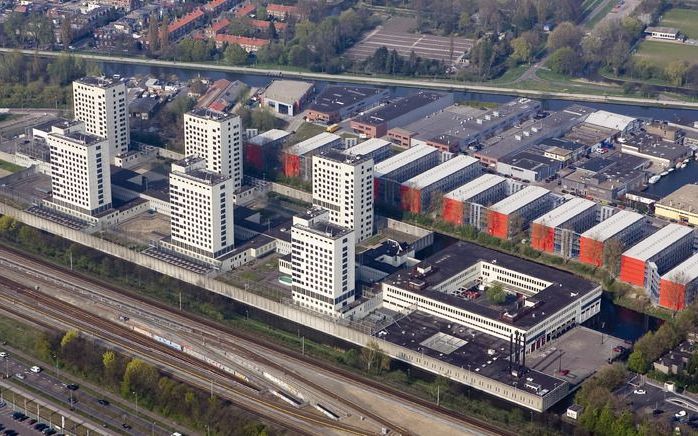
(558, 230)
(416, 193)
(677, 288)
(528, 166)
(390, 173)
(681, 205)
(625, 227)
(644, 263)
(262, 151)
(513, 214)
(467, 205)
(297, 160)
(376, 123)
(563, 150)
(336, 103)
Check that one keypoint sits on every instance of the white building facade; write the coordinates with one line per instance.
(322, 263)
(215, 137)
(101, 104)
(202, 210)
(343, 185)
(80, 178)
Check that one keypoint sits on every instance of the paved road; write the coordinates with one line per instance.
(414, 83)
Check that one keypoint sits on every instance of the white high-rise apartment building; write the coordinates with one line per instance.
(322, 262)
(202, 210)
(215, 137)
(343, 184)
(100, 103)
(80, 179)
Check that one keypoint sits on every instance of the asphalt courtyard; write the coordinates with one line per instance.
(394, 35)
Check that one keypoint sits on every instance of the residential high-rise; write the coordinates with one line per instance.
(80, 179)
(202, 209)
(343, 184)
(101, 104)
(216, 137)
(322, 262)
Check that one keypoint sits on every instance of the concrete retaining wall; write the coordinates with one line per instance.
(292, 192)
(296, 314)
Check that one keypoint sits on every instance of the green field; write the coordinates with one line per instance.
(9, 166)
(663, 53)
(686, 20)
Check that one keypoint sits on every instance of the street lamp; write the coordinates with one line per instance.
(136, 394)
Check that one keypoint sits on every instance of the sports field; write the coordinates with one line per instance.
(663, 53)
(686, 20)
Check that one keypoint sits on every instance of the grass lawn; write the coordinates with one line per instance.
(663, 53)
(9, 166)
(307, 130)
(686, 20)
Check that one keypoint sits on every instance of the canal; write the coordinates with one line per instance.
(674, 180)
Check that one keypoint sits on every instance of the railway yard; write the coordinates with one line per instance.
(280, 386)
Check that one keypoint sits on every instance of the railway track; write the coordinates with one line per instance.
(219, 332)
(42, 305)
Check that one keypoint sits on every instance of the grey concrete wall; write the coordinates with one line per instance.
(292, 192)
(169, 154)
(328, 325)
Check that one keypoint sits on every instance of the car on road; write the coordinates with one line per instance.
(35, 369)
(126, 426)
(680, 414)
(3, 354)
(40, 426)
(10, 432)
(20, 376)
(639, 392)
(72, 386)
(103, 402)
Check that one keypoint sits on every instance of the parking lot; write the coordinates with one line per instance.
(394, 35)
(650, 398)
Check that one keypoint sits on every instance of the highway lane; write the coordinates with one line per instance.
(378, 81)
(377, 400)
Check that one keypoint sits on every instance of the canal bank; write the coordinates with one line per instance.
(369, 80)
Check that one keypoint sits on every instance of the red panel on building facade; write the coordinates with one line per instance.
(452, 211)
(672, 295)
(542, 237)
(254, 156)
(632, 271)
(292, 165)
(498, 224)
(410, 199)
(591, 251)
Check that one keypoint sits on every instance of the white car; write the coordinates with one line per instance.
(35, 369)
(639, 392)
(680, 414)
(3, 354)
(20, 376)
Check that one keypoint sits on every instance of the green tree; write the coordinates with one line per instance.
(235, 55)
(523, 51)
(496, 294)
(676, 72)
(566, 34)
(139, 377)
(262, 13)
(637, 362)
(43, 348)
(66, 32)
(564, 61)
(69, 337)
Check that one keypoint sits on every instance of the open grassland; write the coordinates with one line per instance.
(663, 53)
(686, 20)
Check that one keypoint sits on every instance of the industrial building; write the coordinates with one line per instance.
(457, 127)
(202, 210)
(297, 160)
(607, 179)
(611, 120)
(376, 123)
(558, 230)
(465, 205)
(375, 148)
(530, 133)
(336, 103)
(625, 227)
(678, 287)
(215, 137)
(101, 104)
(80, 178)
(262, 151)
(390, 173)
(513, 214)
(662, 153)
(681, 205)
(644, 263)
(343, 185)
(323, 263)
(563, 150)
(528, 166)
(416, 193)
(286, 96)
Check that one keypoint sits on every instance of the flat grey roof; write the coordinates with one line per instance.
(685, 198)
(287, 91)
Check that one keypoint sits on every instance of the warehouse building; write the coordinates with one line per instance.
(390, 173)
(262, 151)
(644, 263)
(563, 150)
(287, 96)
(610, 120)
(681, 205)
(528, 166)
(625, 227)
(513, 214)
(677, 288)
(297, 160)
(402, 111)
(375, 148)
(558, 230)
(662, 153)
(416, 193)
(467, 204)
(336, 103)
